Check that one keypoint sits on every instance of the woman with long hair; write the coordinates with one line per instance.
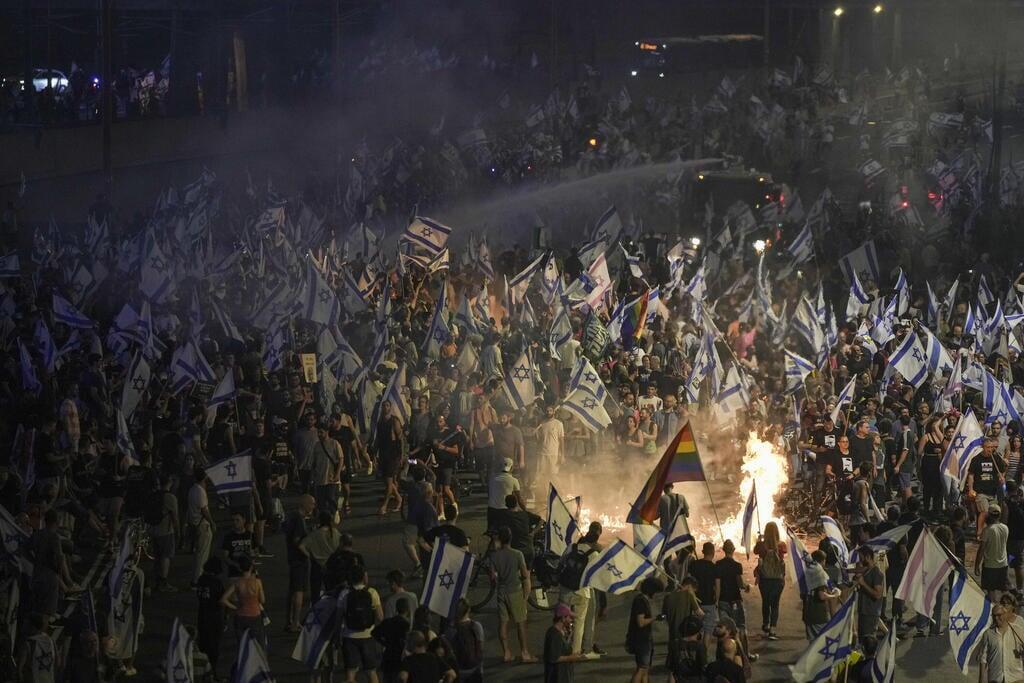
(248, 590)
(632, 437)
(1012, 457)
(648, 429)
(930, 446)
(771, 577)
(391, 455)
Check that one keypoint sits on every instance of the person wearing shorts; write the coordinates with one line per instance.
(640, 631)
(991, 559)
(513, 587)
(359, 649)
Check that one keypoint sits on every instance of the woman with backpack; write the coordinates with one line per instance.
(771, 577)
(466, 637)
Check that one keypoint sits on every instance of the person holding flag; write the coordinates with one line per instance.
(770, 576)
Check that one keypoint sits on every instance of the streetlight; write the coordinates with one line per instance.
(838, 12)
(878, 9)
(759, 246)
(695, 242)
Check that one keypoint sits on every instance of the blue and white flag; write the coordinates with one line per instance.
(733, 396)
(950, 299)
(985, 296)
(157, 280)
(46, 346)
(519, 387)
(136, 382)
(438, 334)
(749, 508)
(585, 377)
(124, 439)
(901, 293)
(317, 630)
(232, 474)
(225, 391)
(395, 392)
(465, 318)
(909, 360)
(29, 381)
(560, 333)
(883, 542)
(648, 540)
(678, 535)
(971, 324)
(125, 553)
(858, 297)
(802, 246)
(617, 569)
(608, 226)
(517, 286)
(633, 262)
(966, 443)
(251, 666)
(970, 614)
(797, 369)
(863, 260)
(939, 359)
(932, 310)
(179, 667)
(845, 396)
(797, 561)
(835, 534)
(562, 528)
(319, 304)
(829, 649)
(588, 409)
(447, 578)
(426, 233)
(883, 667)
(64, 312)
(10, 266)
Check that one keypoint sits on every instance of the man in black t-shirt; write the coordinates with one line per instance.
(237, 543)
(704, 571)
(422, 666)
(823, 440)
(730, 588)
(984, 476)
(725, 667)
(521, 523)
(862, 443)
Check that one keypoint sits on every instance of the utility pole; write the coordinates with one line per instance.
(107, 20)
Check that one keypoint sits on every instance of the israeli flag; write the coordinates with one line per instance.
(560, 333)
(519, 388)
(225, 391)
(562, 528)
(678, 535)
(179, 667)
(749, 509)
(320, 303)
(617, 569)
(464, 316)
(734, 395)
(438, 333)
(428, 234)
(64, 312)
(231, 474)
(585, 377)
(802, 246)
(29, 381)
(251, 666)
(939, 359)
(882, 543)
(985, 296)
(835, 534)
(797, 560)
(902, 293)
(969, 615)
(157, 281)
(124, 439)
(135, 384)
(317, 631)
(633, 262)
(909, 360)
(648, 540)
(448, 578)
(10, 266)
(845, 396)
(883, 668)
(797, 369)
(829, 649)
(932, 312)
(115, 580)
(588, 409)
(608, 226)
(966, 443)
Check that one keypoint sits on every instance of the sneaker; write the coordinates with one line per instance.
(772, 636)
(920, 634)
(369, 471)
(263, 553)
(598, 650)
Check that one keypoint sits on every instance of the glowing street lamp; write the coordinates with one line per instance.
(759, 246)
(878, 9)
(838, 12)
(695, 242)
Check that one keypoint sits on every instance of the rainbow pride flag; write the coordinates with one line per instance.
(681, 462)
(634, 319)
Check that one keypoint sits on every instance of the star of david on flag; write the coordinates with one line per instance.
(448, 578)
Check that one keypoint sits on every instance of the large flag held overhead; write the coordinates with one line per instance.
(562, 528)
(64, 312)
(797, 369)
(428, 234)
(966, 443)
(588, 409)
(909, 360)
(829, 649)
(648, 540)
(231, 474)
(585, 377)
(883, 542)
(179, 667)
(969, 615)
(519, 387)
(135, 384)
(835, 534)
(681, 462)
(29, 381)
(225, 391)
(438, 334)
(448, 577)
(617, 569)
(845, 396)
(863, 260)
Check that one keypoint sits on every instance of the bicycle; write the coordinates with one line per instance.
(483, 581)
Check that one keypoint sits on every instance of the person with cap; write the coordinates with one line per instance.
(559, 656)
(984, 476)
(991, 562)
(502, 484)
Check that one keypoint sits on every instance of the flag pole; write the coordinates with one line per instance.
(757, 507)
(714, 509)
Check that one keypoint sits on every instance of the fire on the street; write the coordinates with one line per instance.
(763, 464)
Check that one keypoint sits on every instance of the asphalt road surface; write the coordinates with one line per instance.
(378, 539)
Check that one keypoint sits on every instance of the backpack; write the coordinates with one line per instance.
(154, 512)
(359, 612)
(468, 649)
(570, 574)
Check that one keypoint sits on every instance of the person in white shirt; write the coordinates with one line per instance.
(502, 484)
(998, 660)
(651, 401)
(550, 445)
(201, 523)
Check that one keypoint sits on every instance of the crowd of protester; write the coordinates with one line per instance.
(108, 468)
